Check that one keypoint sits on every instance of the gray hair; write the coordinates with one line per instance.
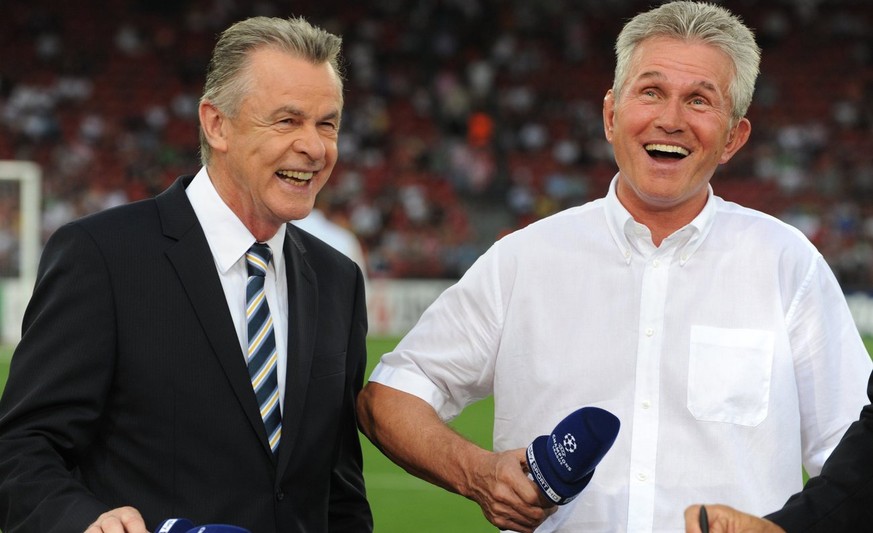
(695, 21)
(226, 79)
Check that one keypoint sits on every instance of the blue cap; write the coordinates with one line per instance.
(218, 528)
(562, 463)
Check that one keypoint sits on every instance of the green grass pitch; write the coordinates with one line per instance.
(402, 503)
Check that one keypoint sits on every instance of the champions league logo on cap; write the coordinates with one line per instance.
(562, 463)
(570, 443)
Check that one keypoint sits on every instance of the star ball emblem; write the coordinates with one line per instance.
(570, 443)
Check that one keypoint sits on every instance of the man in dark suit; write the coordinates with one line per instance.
(132, 394)
(838, 500)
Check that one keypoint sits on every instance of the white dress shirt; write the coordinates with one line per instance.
(229, 241)
(728, 353)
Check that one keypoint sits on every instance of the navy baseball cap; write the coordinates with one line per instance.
(562, 463)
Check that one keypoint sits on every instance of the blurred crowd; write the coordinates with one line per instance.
(464, 119)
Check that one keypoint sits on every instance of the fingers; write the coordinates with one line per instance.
(531, 489)
(120, 520)
(725, 519)
(508, 498)
(692, 519)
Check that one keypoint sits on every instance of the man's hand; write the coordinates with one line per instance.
(724, 519)
(121, 520)
(508, 498)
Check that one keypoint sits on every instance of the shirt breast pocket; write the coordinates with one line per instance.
(729, 374)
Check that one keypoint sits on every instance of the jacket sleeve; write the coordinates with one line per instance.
(349, 509)
(841, 497)
(58, 382)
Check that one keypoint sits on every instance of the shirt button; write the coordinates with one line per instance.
(646, 404)
(650, 332)
(642, 476)
(656, 263)
(280, 495)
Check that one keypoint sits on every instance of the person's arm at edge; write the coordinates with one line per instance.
(409, 431)
(840, 499)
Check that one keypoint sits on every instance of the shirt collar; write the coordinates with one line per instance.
(628, 233)
(227, 236)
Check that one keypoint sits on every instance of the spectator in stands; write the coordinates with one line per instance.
(717, 334)
(142, 388)
(499, 54)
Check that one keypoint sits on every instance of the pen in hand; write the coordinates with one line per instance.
(704, 520)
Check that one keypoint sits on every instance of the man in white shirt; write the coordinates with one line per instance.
(717, 334)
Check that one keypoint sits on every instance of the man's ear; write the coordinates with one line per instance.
(212, 124)
(737, 137)
(608, 114)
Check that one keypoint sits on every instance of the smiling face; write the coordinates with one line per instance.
(271, 159)
(671, 127)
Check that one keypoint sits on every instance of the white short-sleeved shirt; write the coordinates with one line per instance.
(728, 353)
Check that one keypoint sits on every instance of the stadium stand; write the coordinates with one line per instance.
(464, 119)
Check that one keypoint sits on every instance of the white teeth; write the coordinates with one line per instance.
(296, 174)
(666, 148)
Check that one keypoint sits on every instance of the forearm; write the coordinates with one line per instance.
(37, 494)
(409, 431)
(411, 434)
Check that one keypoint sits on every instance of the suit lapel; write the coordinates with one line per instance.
(302, 313)
(192, 259)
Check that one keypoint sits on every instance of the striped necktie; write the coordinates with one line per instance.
(261, 358)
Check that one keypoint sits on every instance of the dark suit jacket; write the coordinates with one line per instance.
(129, 386)
(841, 498)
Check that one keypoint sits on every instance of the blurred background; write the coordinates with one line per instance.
(464, 119)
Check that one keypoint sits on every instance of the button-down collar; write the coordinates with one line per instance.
(632, 237)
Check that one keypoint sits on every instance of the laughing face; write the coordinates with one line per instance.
(671, 127)
(272, 158)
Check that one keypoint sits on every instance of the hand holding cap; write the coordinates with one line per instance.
(562, 463)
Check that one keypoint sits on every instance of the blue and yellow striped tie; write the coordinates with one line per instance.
(262, 356)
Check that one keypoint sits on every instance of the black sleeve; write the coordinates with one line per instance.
(841, 497)
(60, 373)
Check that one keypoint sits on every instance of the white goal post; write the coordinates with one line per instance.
(20, 186)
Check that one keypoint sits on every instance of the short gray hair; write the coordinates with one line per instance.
(226, 82)
(695, 21)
